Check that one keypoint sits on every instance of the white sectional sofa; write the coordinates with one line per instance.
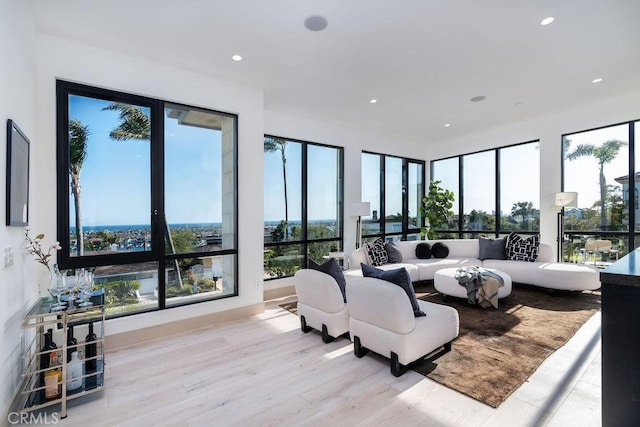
(465, 252)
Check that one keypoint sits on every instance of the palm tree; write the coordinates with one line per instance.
(134, 122)
(604, 154)
(272, 145)
(78, 134)
(521, 209)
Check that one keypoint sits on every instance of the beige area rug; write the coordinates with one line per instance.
(498, 349)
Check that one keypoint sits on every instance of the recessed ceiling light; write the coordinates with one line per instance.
(316, 23)
(478, 98)
(236, 58)
(598, 80)
(518, 104)
(373, 101)
(547, 21)
(447, 125)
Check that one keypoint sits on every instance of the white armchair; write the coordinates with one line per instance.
(321, 305)
(382, 320)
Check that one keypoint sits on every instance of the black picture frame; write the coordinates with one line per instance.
(18, 146)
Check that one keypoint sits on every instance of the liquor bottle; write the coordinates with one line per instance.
(44, 362)
(71, 343)
(90, 362)
(74, 373)
(53, 378)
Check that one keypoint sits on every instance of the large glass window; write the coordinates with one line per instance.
(447, 171)
(478, 184)
(399, 182)
(147, 190)
(371, 172)
(519, 202)
(488, 190)
(302, 204)
(603, 225)
(393, 192)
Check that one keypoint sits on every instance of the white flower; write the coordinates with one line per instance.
(35, 248)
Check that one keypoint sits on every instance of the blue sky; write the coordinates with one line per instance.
(115, 176)
(520, 171)
(322, 187)
(582, 174)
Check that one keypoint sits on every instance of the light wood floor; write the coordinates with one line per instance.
(263, 371)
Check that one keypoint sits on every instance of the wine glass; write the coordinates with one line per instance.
(86, 288)
(58, 286)
(73, 286)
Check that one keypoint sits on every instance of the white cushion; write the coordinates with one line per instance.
(319, 290)
(464, 252)
(320, 301)
(428, 267)
(382, 317)
(552, 275)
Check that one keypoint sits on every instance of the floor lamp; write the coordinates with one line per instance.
(567, 199)
(359, 209)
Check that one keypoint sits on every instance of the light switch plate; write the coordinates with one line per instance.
(8, 257)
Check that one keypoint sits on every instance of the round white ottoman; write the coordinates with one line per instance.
(445, 282)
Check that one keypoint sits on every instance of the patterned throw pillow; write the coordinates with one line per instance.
(519, 249)
(509, 242)
(376, 253)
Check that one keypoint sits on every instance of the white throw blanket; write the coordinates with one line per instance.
(482, 285)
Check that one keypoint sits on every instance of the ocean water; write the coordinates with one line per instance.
(126, 227)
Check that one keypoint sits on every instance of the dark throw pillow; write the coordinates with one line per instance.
(492, 249)
(376, 253)
(400, 277)
(332, 268)
(526, 249)
(393, 253)
(439, 250)
(423, 251)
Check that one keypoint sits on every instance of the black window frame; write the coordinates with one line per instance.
(157, 253)
(497, 231)
(304, 240)
(632, 234)
(406, 231)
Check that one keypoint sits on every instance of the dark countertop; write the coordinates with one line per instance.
(625, 271)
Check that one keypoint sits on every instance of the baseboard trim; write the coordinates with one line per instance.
(284, 291)
(126, 339)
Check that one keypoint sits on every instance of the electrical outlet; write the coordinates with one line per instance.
(8, 257)
(258, 283)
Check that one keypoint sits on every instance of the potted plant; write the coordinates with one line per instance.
(436, 208)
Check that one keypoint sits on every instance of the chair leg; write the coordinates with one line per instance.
(397, 369)
(358, 349)
(326, 338)
(303, 325)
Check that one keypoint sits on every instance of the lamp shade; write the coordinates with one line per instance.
(360, 209)
(567, 199)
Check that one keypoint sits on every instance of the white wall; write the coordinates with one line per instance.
(18, 289)
(354, 142)
(549, 130)
(72, 61)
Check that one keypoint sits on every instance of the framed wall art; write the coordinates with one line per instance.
(17, 176)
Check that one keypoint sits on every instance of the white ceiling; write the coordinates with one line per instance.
(422, 59)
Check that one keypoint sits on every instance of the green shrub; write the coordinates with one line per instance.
(121, 291)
